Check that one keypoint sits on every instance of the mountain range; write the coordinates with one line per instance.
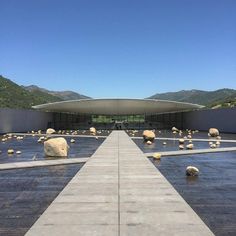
(13, 95)
(221, 97)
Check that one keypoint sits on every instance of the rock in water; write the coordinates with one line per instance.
(157, 156)
(181, 141)
(174, 129)
(190, 146)
(10, 151)
(50, 131)
(149, 142)
(192, 171)
(92, 131)
(148, 135)
(56, 147)
(213, 132)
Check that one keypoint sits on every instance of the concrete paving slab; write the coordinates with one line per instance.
(32, 164)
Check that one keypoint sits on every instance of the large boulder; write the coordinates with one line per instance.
(56, 147)
(148, 135)
(192, 171)
(213, 132)
(50, 131)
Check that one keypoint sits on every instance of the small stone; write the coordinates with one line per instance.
(213, 132)
(10, 151)
(50, 131)
(181, 141)
(190, 146)
(41, 139)
(213, 146)
(164, 143)
(149, 142)
(174, 129)
(18, 152)
(72, 141)
(157, 156)
(181, 147)
(192, 171)
(218, 143)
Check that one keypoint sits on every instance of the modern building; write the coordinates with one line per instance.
(117, 113)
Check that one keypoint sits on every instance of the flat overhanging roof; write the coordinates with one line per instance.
(117, 106)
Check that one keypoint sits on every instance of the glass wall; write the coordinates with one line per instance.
(121, 118)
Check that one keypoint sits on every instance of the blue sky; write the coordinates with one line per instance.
(125, 48)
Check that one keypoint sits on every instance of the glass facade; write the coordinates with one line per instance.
(122, 118)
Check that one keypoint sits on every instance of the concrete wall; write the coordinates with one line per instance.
(20, 120)
(224, 119)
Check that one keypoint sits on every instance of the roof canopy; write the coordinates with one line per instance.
(117, 106)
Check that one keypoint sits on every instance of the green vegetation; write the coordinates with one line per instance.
(14, 96)
(218, 98)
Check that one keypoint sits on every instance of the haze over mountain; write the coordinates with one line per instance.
(207, 98)
(63, 95)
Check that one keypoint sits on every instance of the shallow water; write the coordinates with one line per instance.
(212, 194)
(83, 147)
(25, 194)
(174, 145)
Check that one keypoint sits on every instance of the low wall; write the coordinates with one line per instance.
(22, 120)
(224, 119)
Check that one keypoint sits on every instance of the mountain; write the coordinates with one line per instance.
(14, 96)
(63, 95)
(208, 98)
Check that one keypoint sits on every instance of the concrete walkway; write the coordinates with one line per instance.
(191, 152)
(32, 164)
(119, 192)
(194, 139)
(59, 135)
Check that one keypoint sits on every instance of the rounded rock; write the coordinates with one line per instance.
(213, 132)
(190, 146)
(10, 151)
(192, 171)
(50, 131)
(56, 147)
(157, 156)
(148, 135)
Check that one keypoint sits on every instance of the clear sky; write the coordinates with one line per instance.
(119, 48)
